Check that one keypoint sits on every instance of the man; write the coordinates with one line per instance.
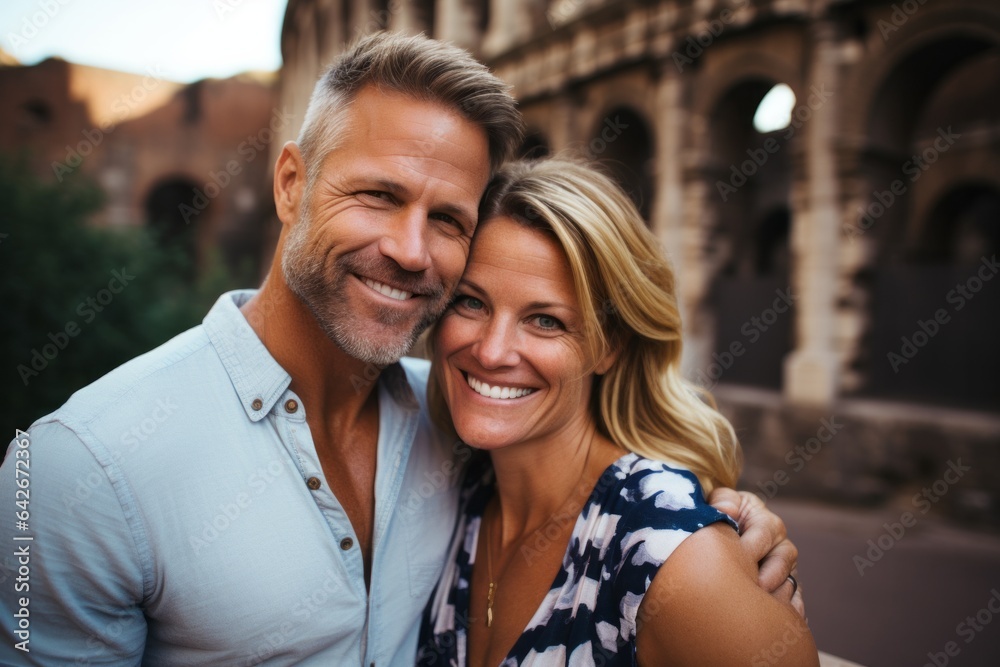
(257, 489)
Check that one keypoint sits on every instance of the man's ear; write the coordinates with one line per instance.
(289, 183)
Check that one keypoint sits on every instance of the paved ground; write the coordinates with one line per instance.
(912, 604)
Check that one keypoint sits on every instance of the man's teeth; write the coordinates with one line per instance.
(390, 292)
(497, 391)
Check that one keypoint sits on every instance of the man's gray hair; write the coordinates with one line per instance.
(427, 70)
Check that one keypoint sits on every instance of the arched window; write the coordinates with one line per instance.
(174, 210)
(751, 304)
(623, 142)
(933, 318)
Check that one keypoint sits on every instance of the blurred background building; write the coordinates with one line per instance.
(826, 178)
(190, 160)
(824, 174)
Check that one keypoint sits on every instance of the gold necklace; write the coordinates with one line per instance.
(492, 591)
(491, 594)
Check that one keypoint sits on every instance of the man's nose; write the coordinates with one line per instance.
(406, 241)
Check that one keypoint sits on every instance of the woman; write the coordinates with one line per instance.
(559, 357)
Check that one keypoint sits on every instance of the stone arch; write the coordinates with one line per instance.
(933, 24)
(888, 92)
(737, 68)
(174, 211)
(963, 226)
(623, 141)
(941, 309)
(749, 310)
(892, 150)
(925, 92)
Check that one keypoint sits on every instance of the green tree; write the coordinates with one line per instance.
(79, 301)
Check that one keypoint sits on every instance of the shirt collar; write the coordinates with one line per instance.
(258, 379)
(393, 378)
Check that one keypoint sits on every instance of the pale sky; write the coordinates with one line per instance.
(186, 39)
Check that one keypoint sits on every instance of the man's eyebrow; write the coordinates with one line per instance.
(392, 187)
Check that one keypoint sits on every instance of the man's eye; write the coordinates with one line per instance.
(377, 194)
(448, 220)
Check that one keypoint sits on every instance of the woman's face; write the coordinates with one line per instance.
(510, 354)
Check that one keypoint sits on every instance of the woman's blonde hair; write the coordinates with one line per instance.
(626, 291)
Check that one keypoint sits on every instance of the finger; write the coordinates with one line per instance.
(798, 602)
(761, 529)
(777, 565)
(726, 500)
(791, 593)
(785, 591)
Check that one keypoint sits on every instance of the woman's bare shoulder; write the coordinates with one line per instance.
(704, 607)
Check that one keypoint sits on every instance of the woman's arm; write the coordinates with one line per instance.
(705, 607)
(763, 540)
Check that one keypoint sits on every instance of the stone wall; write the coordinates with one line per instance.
(841, 265)
(193, 159)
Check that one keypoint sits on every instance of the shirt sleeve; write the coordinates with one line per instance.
(661, 507)
(71, 583)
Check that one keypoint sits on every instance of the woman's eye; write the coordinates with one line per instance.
(548, 322)
(468, 302)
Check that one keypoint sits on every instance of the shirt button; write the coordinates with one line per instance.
(257, 404)
(291, 405)
(314, 483)
(346, 543)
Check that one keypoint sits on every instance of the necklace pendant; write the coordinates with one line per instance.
(489, 604)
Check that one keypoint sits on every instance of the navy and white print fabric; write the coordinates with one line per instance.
(637, 514)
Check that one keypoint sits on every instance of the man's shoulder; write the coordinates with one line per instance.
(141, 379)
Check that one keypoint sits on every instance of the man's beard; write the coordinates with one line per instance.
(325, 297)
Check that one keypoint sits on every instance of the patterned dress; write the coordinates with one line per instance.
(637, 514)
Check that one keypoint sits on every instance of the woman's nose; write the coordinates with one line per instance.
(497, 347)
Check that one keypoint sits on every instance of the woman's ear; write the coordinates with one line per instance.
(289, 183)
(608, 360)
(615, 347)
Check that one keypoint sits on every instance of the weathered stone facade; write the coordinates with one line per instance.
(837, 268)
(190, 158)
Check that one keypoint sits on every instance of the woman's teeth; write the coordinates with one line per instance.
(496, 391)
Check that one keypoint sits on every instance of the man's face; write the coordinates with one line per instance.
(383, 234)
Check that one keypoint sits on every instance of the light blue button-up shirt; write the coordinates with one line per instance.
(179, 515)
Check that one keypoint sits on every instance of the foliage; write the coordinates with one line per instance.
(81, 300)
